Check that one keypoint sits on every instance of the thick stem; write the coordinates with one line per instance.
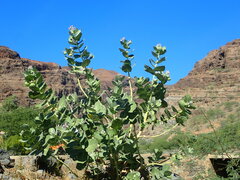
(131, 95)
(115, 159)
(113, 155)
(146, 114)
(59, 160)
(81, 88)
(144, 120)
(130, 85)
(138, 151)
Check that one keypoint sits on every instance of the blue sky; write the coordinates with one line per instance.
(189, 29)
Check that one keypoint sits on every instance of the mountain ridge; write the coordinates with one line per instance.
(218, 71)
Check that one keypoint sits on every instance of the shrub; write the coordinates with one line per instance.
(11, 122)
(10, 103)
(102, 134)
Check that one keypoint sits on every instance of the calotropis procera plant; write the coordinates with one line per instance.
(101, 133)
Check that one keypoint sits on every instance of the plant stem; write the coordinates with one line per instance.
(59, 160)
(80, 86)
(161, 133)
(136, 141)
(116, 165)
(131, 95)
(145, 118)
(215, 133)
(130, 85)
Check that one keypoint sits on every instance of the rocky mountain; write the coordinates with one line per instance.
(214, 78)
(12, 67)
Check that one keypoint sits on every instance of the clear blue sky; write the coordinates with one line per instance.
(189, 29)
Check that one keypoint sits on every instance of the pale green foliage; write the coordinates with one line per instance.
(10, 103)
(102, 134)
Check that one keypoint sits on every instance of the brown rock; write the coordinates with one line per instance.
(5, 52)
(214, 79)
(220, 67)
(12, 68)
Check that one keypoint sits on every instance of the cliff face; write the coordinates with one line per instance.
(215, 78)
(219, 68)
(12, 67)
(216, 75)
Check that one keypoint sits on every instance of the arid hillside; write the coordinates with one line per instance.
(12, 67)
(215, 78)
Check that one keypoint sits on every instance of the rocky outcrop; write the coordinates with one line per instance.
(219, 68)
(214, 79)
(5, 52)
(5, 161)
(211, 77)
(12, 67)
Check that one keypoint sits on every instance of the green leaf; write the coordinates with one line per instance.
(51, 131)
(133, 175)
(111, 132)
(117, 124)
(100, 108)
(133, 107)
(122, 50)
(78, 35)
(168, 113)
(126, 66)
(182, 104)
(131, 56)
(125, 54)
(149, 69)
(46, 150)
(155, 54)
(152, 62)
(72, 41)
(159, 68)
(48, 137)
(85, 63)
(174, 109)
(70, 60)
(62, 102)
(156, 173)
(160, 60)
(167, 173)
(92, 145)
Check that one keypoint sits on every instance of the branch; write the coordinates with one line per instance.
(59, 160)
(80, 86)
(130, 86)
(215, 133)
(161, 163)
(161, 133)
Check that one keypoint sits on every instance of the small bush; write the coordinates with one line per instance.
(10, 103)
(14, 145)
(229, 106)
(12, 121)
(226, 138)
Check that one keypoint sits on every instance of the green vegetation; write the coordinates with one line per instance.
(12, 120)
(102, 134)
(10, 103)
(224, 140)
(202, 117)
